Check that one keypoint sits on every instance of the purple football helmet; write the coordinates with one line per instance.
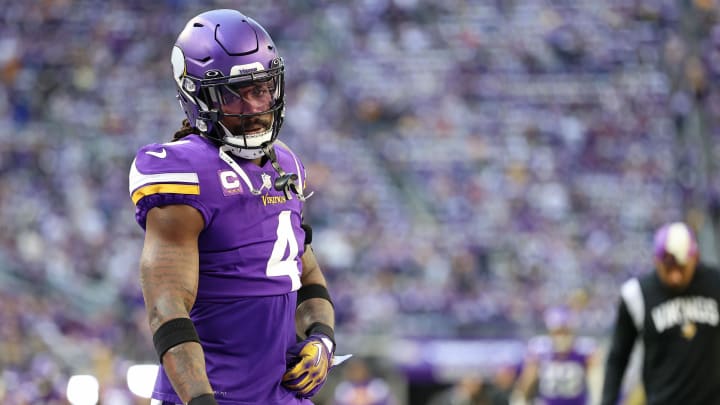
(230, 80)
(559, 317)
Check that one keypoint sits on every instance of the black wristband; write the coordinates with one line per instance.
(172, 333)
(204, 399)
(308, 233)
(313, 291)
(319, 327)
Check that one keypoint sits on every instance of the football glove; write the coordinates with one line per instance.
(308, 364)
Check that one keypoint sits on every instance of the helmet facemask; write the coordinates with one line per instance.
(244, 111)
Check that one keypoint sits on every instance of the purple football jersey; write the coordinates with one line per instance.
(250, 266)
(562, 377)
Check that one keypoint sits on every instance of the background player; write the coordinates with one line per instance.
(674, 312)
(557, 366)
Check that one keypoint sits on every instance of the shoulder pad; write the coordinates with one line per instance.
(585, 345)
(540, 345)
(163, 168)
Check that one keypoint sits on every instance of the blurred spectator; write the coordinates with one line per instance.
(360, 387)
(471, 390)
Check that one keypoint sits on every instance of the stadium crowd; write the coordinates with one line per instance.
(473, 162)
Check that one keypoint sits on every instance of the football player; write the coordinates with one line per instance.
(557, 366)
(673, 312)
(227, 272)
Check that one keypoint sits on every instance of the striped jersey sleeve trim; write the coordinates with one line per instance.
(138, 180)
(632, 295)
(192, 189)
(142, 185)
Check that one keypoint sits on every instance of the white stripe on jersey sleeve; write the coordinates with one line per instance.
(138, 179)
(632, 295)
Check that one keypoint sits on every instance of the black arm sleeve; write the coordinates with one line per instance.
(620, 349)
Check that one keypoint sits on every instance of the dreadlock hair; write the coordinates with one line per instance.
(186, 130)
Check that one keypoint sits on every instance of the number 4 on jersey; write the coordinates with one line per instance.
(277, 266)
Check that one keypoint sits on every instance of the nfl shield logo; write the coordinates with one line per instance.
(266, 180)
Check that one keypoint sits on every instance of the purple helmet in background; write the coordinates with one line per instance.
(559, 317)
(230, 80)
(675, 239)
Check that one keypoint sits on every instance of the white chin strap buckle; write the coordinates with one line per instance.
(249, 154)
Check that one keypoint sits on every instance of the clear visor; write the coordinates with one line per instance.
(248, 98)
(247, 107)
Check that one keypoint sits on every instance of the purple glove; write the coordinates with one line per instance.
(308, 364)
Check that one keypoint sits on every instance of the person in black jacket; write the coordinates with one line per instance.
(673, 311)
